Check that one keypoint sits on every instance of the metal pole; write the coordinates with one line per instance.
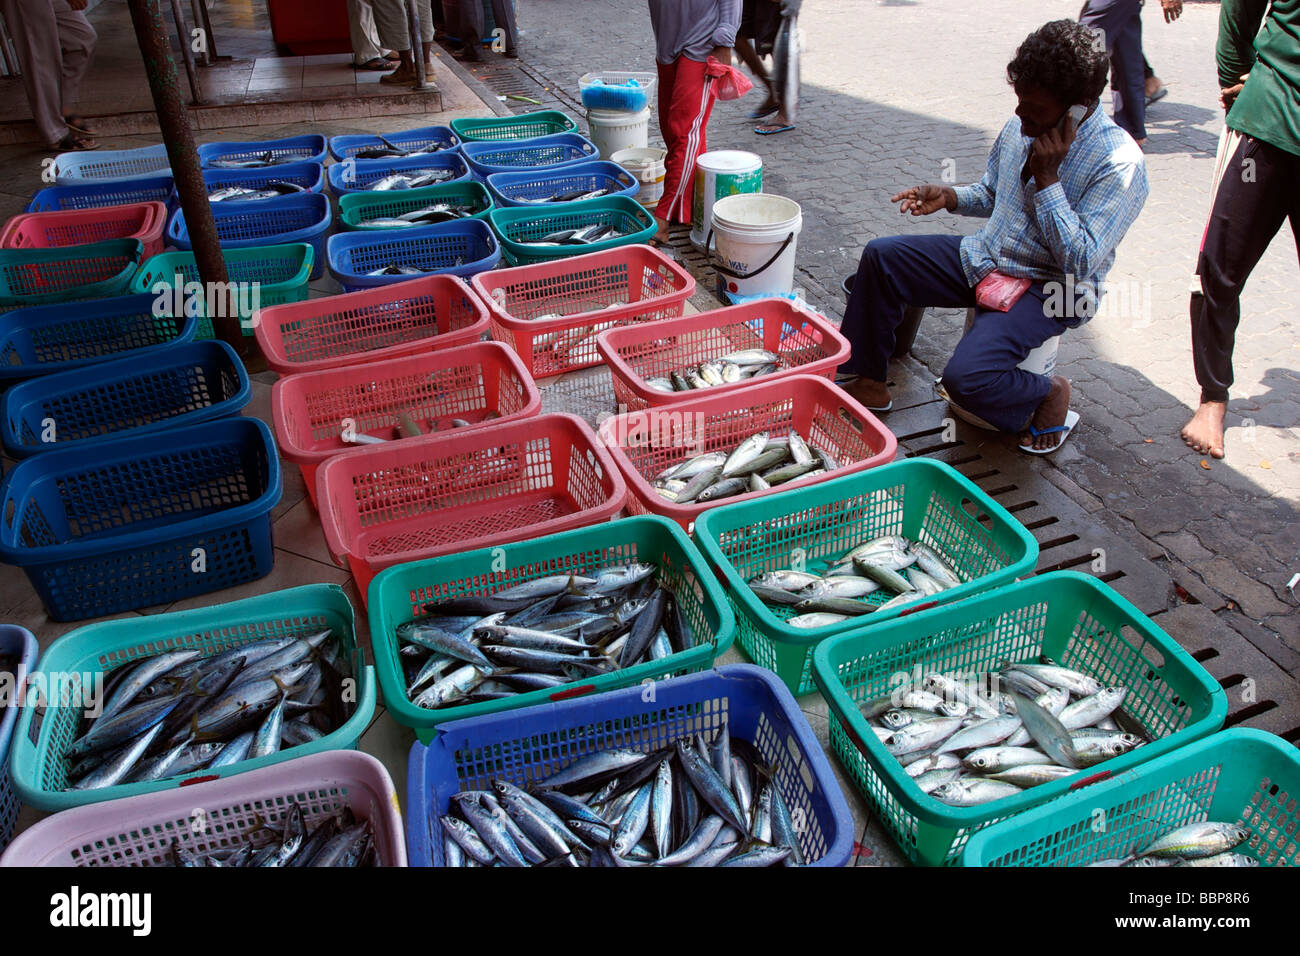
(184, 35)
(417, 45)
(173, 120)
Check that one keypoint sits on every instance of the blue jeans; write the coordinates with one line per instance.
(1121, 21)
(981, 376)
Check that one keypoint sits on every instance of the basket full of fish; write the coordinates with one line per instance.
(309, 148)
(955, 718)
(572, 613)
(319, 414)
(270, 182)
(542, 152)
(410, 208)
(370, 258)
(766, 439)
(422, 141)
(423, 315)
(154, 703)
(337, 808)
(396, 174)
(1228, 800)
(571, 184)
(719, 351)
(711, 769)
(302, 217)
(847, 553)
(540, 234)
(551, 312)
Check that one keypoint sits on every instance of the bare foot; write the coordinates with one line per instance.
(1050, 414)
(1205, 431)
(871, 393)
(661, 231)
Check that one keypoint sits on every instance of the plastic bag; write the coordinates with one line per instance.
(999, 292)
(729, 83)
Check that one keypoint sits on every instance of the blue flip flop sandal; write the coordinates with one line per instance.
(772, 132)
(1071, 419)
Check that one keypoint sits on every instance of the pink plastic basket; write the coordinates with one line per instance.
(74, 227)
(601, 290)
(406, 318)
(410, 500)
(806, 343)
(482, 383)
(215, 814)
(644, 443)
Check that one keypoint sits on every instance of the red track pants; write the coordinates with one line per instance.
(685, 102)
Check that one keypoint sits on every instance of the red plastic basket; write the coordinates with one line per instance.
(310, 410)
(410, 500)
(644, 443)
(74, 227)
(806, 343)
(425, 314)
(602, 290)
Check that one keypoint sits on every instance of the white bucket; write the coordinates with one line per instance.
(1041, 361)
(613, 130)
(647, 166)
(727, 172)
(756, 235)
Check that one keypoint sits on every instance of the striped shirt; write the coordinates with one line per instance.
(1070, 228)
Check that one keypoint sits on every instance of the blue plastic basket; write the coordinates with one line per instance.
(54, 338)
(535, 187)
(523, 746)
(195, 382)
(68, 273)
(306, 149)
(310, 176)
(462, 248)
(97, 195)
(147, 162)
(358, 175)
(344, 147)
(143, 521)
(20, 643)
(266, 222)
(544, 152)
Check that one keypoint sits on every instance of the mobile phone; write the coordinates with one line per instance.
(1076, 113)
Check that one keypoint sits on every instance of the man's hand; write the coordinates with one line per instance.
(1173, 9)
(722, 54)
(1228, 95)
(1048, 151)
(923, 200)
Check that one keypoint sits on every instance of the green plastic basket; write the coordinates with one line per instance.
(398, 594)
(516, 223)
(44, 732)
(524, 126)
(281, 274)
(96, 270)
(1237, 776)
(1070, 617)
(925, 500)
(355, 208)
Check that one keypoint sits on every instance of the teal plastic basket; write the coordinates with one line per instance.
(925, 500)
(1072, 618)
(96, 270)
(519, 223)
(1238, 776)
(398, 595)
(473, 129)
(356, 208)
(73, 662)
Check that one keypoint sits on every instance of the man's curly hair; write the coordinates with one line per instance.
(1065, 58)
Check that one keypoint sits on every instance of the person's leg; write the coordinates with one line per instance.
(745, 50)
(77, 43)
(1256, 193)
(35, 34)
(1130, 92)
(893, 273)
(683, 122)
(470, 30)
(982, 376)
(503, 11)
(363, 34)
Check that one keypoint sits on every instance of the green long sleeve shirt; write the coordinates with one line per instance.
(1268, 108)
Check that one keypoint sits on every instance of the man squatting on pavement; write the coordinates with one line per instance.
(1058, 196)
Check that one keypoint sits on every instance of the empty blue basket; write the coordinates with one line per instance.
(193, 382)
(462, 248)
(304, 149)
(53, 338)
(343, 147)
(98, 195)
(304, 217)
(358, 175)
(535, 187)
(143, 521)
(561, 149)
(146, 162)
